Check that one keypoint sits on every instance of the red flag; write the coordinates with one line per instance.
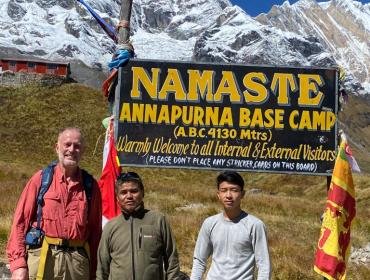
(111, 170)
(333, 247)
(106, 87)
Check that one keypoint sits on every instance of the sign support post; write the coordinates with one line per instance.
(124, 30)
(123, 39)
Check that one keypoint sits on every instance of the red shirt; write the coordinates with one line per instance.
(65, 215)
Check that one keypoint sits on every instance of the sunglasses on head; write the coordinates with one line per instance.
(129, 175)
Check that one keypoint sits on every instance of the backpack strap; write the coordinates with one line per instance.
(46, 178)
(87, 181)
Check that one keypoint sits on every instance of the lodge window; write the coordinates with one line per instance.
(51, 68)
(12, 65)
(31, 66)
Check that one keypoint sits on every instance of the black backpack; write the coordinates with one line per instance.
(34, 235)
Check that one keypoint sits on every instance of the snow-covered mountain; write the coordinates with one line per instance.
(305, 33)
(342, 27)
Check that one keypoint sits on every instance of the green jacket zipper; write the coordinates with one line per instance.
(132, 248)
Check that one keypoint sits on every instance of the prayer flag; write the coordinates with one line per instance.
(333, 247)
(111, 170)
(111, 32)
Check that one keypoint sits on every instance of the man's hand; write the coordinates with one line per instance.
(20, 274)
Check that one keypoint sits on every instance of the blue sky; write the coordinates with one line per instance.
(255, 7)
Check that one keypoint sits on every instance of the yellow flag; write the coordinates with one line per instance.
(333, 247)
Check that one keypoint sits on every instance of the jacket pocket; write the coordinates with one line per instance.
(148, 239)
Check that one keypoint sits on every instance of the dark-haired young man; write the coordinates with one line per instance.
(236, 240)
(137, 244)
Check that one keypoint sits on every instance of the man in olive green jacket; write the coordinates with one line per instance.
(137, 245)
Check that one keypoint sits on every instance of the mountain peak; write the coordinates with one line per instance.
(305, 33)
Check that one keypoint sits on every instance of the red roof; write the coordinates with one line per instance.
(34, 60)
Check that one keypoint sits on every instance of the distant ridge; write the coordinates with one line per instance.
(306, 33)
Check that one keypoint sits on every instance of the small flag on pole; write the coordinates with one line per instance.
(111, 32)
(333, 247)
(111, 170)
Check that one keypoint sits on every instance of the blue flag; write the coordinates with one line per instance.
(111, 31)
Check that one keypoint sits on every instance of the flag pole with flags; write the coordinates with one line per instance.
(111, 170)
(111, 166)
(333, 247)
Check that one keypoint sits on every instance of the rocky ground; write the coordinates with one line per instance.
(358, 256)
(361, 255)
(4, 271)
